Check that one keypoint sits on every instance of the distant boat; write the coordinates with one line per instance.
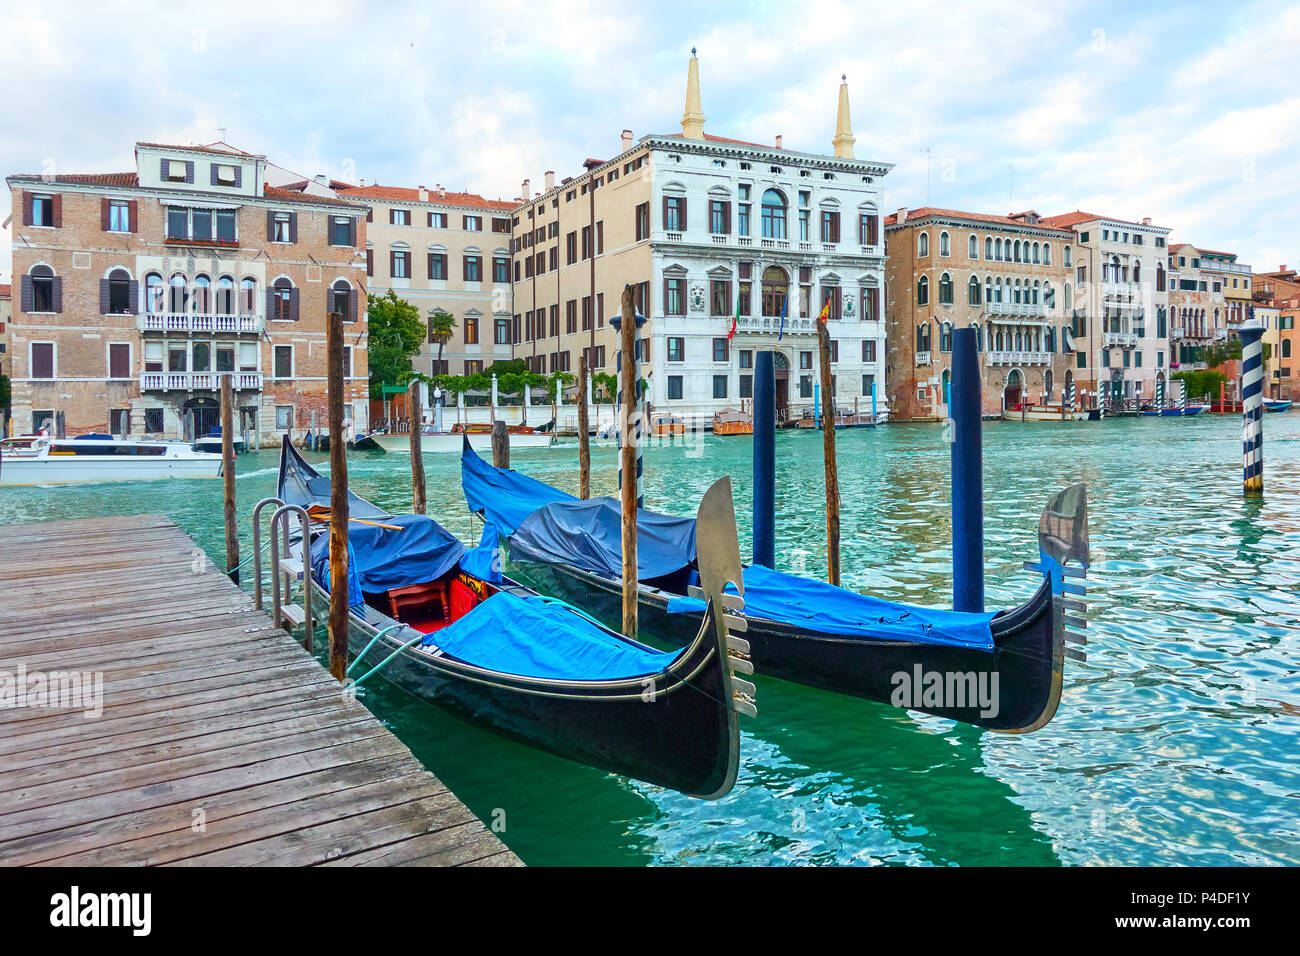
(1027, 412)
(1277, 405)
(661, 423)
(480, 437)
(732, 421)
(94, 458)
(211, 442)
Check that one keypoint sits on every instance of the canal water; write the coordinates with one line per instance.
(1174, 743)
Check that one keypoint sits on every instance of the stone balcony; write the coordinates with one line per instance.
(192, 322)
(771, 325)
(1121, 340)
(1022, 357)
(923, 358)
(198, 381)
(1018, 310)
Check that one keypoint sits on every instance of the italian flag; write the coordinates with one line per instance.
(735, 320)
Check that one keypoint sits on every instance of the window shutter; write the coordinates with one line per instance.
(189, 171)
(355, 231)
(270, 304)
(132, 215)
(352, 305)
(162, 170)
(212, 173)
(104, 206)
(27, 294)
(103, 297)
(683, 214)
(270, 225)
(665, 219)
(370, 262)
(392, 217)
(239, 176)
(133, 298)
(666, 281)
(293, 227)
(370, 214)
(58, 293)
(293, 304)
(57, 216)
(27, 208)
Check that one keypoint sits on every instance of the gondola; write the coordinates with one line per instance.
(806, 631)
(437, 620)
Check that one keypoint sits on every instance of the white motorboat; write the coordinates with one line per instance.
(1027, 412)
(94, 458)
(211, 442)
(435, 441)
(23, 446)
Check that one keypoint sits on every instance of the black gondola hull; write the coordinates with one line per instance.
(1015, 688)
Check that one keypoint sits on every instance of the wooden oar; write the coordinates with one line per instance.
(323, 514)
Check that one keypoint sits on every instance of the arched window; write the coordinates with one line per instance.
(281, 299)
(1067, 257)
(1015, 292)
(202, 295)
(947, 387)
(1137, 272)
(1047, 253)
(225, 296)
(923, 337)
(119, 292)
(773, 215)
(1049, 295)
(979, 336)
(178, 298)
(945, 244)
(945, 289)
(1160, 277)
(248, 296)
(973, 247)
(923, 291)
(997, 250)
(155, 297)
(1015, 251)
(997, 290)
(1037, 253)
(1049, 342)
(1286, 348)
(988, 247)
(776, 286)
(1035, 299)
(1047, 384)
(341, 299)
(945, 337)
(43, 285)
(973, 291)
(923, 244)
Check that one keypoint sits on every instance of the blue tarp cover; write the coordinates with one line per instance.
(589, 535)
(504, 498)
(384, 559)
(535, 636)
(827, 609)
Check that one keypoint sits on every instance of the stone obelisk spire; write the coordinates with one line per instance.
(693, 119)
(844, 138)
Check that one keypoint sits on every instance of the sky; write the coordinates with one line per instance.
(1186, 113)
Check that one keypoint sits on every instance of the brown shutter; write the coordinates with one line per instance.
(103, 297)
(119, 361)
(27, 207)
(58, 293)
(133, 298)
(356, 239)
(683, 214)
(370, 262)
(57, 215)
(665, 220)
(293, 304)
(293, 227)
(104, 207)
(352, 305)
(26, 299)
(270, 304)
(270, 225)
(370, 214)
(666, 281)
(133, 215)
(42, 360)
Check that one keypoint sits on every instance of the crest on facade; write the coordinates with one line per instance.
(697, 297)
(849, 307)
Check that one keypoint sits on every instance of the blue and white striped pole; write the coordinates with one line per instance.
(638, 414)
(1252, 411)
(1160, 395)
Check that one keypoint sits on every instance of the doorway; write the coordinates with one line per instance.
(200, 416)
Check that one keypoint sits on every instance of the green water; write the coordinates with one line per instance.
(1174, 743)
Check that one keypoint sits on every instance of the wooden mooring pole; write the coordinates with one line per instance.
(627, 456)
(500, 444)
(228, 474)
(828, 453)
(338, 552)
(584, 442)
(417, 452)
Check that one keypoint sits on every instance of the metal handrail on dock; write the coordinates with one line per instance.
(280, 521)
(257, 547)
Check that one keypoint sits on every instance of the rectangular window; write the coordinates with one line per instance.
(178, 222)
(586, 242)
(719, 216)
(720, 353)
(225, 225)
(571, 316)
(42, 360)
(473, 268)
(869, 350)
(805, 359)
(719, 386)
(586, 313)
(805, 386)
(742, 219)
(501, 269)
(437, 220)
(500, 225)
(153, 421)
(342, 231)
(502, 331)
(119, 360)
(119, 217)
(674, 297)
(720, 297)
(676, 348)
(399, 217)
(746, 358)
(176, 170)
(571, 248)
(42, 211)
(600, 237)
(473, 223)
(643, 221)
(283, 361)
(400, 264)
(284, 417)
(746, 386)
(674, 386)
(675, 213)
(830, 226)
(437, 265)
(281, 231)
(868, 226)
(347, 361)
(471, 330)
(868, 383)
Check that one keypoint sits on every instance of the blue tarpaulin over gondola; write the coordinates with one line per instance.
(824, 608)
(589, 535)
(421, 551)
(504, 498)
(562, 645)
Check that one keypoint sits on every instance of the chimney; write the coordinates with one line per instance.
(1146, 220)
(778, 140)
(902, 214)
(361, 181)
(550, 180)
(627, 140)
(322, 179)
(526, 191)
(442, 193)
(423, 194)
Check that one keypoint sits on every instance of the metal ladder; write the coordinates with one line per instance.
(284, 569)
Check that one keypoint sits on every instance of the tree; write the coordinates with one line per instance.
(1201, 384)
(396, 333)
(441, 326)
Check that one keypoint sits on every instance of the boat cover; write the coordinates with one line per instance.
(384, 559)
(826, 609)
(504, 498)
(535, 636)
(301, 484)
(589, 535)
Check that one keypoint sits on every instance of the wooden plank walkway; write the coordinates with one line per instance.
(221, 741)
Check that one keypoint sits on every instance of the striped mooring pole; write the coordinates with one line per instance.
(616, 323)
(1252, 411)
(1160, 394)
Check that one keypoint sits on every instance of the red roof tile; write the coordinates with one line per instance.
(924, 211)
(1072, 218)
(210, 148)
(291, 195)
(735, 142)
(93, 179)
(405, 194)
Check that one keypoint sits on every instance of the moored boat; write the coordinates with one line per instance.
(733, 421)
(521, 436)
(438, 621)
(86, 459)
(803, 630)
(664, 424)
(1042, 412)
(211, 442)
(1277, 405)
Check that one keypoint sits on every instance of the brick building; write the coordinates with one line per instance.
(1008, 277)
(138, 289)
(1280, 290)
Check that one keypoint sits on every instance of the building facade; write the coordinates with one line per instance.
(1121, 328)
(1007, 277)
(443, 252)
(138, 290)
(714, 234)
(1198, 309)
(1280, 291)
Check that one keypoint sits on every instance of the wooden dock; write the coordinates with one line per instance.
(221, 741)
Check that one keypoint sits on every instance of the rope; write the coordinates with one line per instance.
(249, 558)
(413, 641)
(373, 641)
